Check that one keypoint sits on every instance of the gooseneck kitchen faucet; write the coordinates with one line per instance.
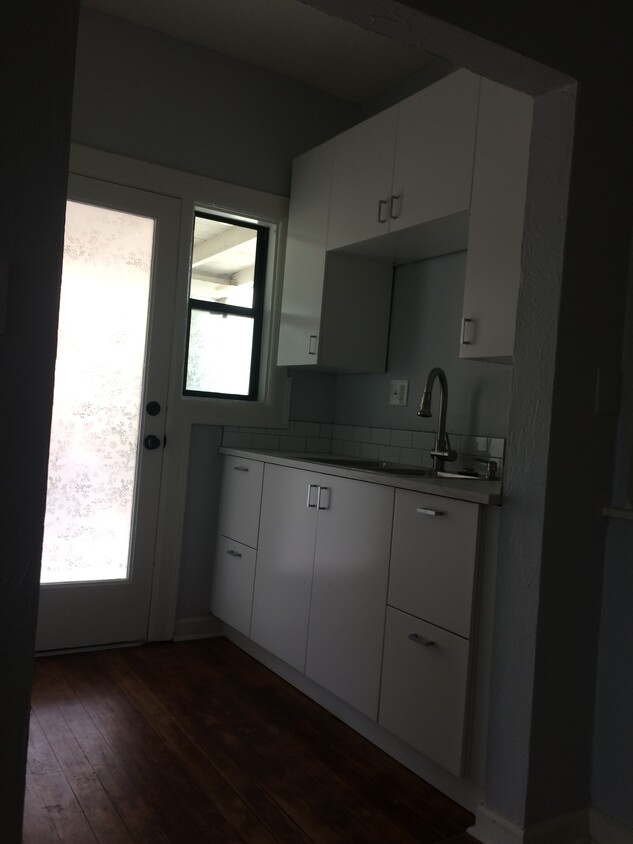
(442, 452)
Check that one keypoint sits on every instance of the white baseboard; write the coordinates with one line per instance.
(604, 829)
(492, 828)
(201, 627)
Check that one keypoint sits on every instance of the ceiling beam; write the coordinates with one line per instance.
(227, 239)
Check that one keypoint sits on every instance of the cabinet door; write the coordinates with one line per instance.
(361, 180)
(433, 559)
(349, 590)
(424, 688)
(304, 269)
(233, 580)
(493, 265)
(435, 150)
(281, 599)
(240, 499)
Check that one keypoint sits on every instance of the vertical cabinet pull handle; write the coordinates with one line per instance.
(468, 331)
(421, 640)
(313, 496)
(323, 501)
(394, 207)
(426, 511)
(382, 210)
(312, 345)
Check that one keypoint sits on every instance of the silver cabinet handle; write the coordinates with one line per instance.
(311, 492)
(233, 553)
(468, 330)
(382, 210)
(426, 511)
(323, 501)
(395, 206)
(312, 344)
(240, 468)
(421, 640)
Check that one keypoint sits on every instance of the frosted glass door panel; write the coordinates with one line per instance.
(98, 389)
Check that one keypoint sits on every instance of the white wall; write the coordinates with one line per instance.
(424, 332)
(146, 95)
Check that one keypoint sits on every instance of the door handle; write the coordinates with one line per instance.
(311, 491)
(323, 501)
(421, 640)
(151, 442)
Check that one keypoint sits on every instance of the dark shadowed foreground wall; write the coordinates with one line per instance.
(37, 45)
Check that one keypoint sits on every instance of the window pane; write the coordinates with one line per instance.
(223, 262)
(220, 347)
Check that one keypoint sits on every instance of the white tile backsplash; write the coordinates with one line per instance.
(392, 445)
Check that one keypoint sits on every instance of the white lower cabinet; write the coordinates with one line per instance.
(285, 559)
(238, 528)
(351, 568)
(233, 584)
(321, 581)
(424, 688)
(366, 589)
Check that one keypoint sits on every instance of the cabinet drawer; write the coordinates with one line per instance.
(240, 501)
(433, 559)
(424, 688)
(234, 577)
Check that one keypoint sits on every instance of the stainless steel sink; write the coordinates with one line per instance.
(386, 468)
(371, 465)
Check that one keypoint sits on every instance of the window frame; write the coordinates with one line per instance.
(256, 311)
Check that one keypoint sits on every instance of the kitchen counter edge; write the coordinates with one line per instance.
(476, 490)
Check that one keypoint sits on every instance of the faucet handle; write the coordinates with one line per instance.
(491, 467)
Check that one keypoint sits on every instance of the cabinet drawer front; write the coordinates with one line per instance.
(433, 559)
(424, 688)
(234, 576)
(240, 501)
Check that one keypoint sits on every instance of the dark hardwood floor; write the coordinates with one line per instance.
(196, 741)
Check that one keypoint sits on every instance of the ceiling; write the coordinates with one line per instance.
(283, 36)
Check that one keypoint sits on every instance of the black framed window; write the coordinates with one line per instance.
(226, 305)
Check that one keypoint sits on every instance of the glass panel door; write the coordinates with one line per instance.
(109, 415)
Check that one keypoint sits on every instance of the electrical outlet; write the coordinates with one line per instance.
(399, 392)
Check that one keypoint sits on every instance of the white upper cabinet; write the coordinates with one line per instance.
(408, 165)
(495, 240)
(434, 156)
(362, 179)
(335, 308)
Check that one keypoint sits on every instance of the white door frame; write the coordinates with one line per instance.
(272, 410)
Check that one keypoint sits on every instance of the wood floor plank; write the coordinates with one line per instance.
(197, 742)
(95, 802)
(218, 727)
(371, 772)
(175, 798)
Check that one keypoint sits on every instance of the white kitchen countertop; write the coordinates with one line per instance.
(476, 490)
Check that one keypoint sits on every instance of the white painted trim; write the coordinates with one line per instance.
(492, 828)
(271, 411)
(201, 627)
(604, 829)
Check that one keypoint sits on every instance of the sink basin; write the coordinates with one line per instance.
(372, 465)
(387, 468)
